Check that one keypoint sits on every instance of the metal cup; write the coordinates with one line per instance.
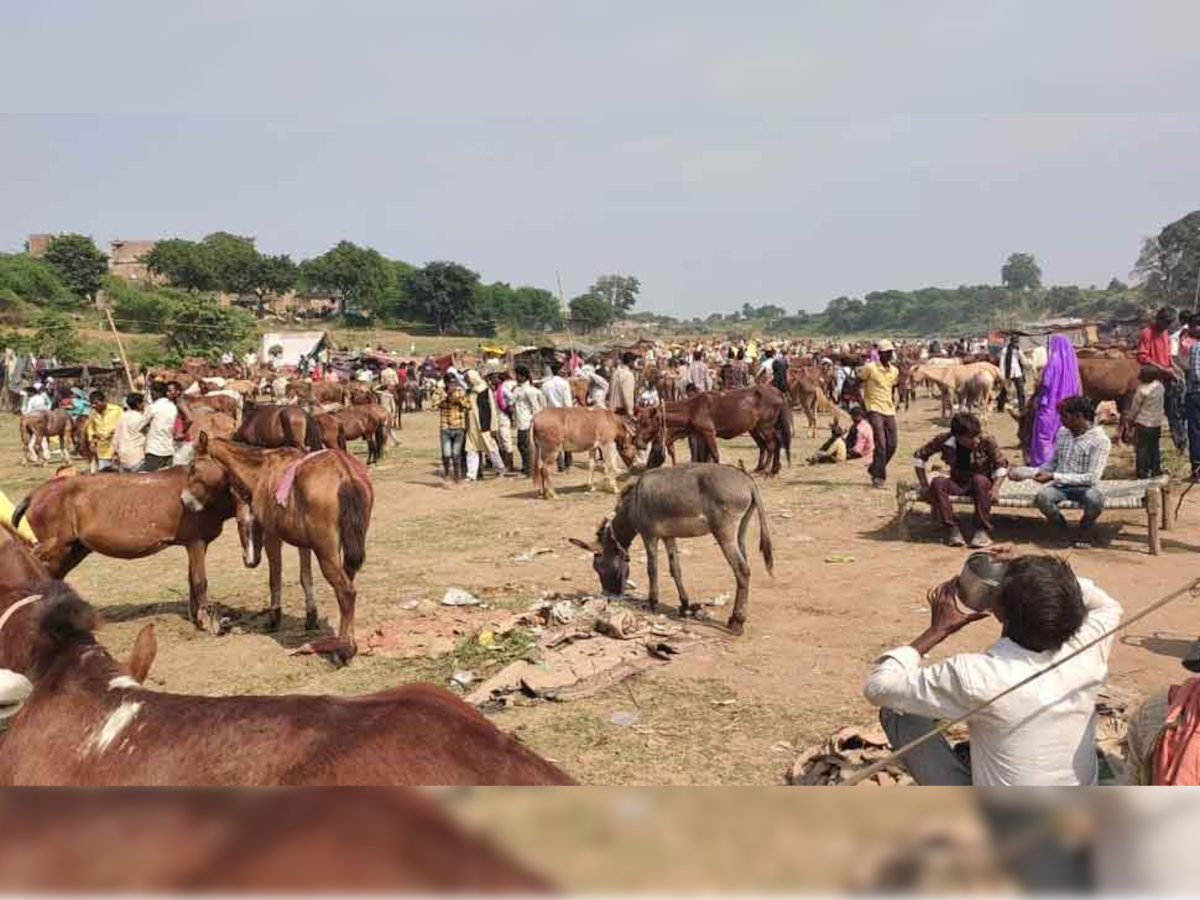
(979, 581)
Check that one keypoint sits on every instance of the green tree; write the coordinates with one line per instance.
(1021, 272)
(201, 327)
(360, 278)
(618, 291)
(232, 261)
(273, 275)
(445, 293)
(32, 280)
(184, 264)
(55, 335)
(1169, 263)
(590, 312)
(79, 262)
(1117, 285)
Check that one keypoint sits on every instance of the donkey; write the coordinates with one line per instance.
(320, 502)
(577, 430)
(88, 722)
(682, 501)
(35, 429)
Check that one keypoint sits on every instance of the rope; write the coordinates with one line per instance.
(1192, 588)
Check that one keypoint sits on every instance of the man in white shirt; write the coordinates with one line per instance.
(1043, 734)
(557, 391)
(159, 425)
(129, 444)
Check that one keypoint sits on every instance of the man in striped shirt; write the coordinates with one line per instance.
(1074, 472)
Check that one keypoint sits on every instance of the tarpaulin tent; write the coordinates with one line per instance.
(294, 343)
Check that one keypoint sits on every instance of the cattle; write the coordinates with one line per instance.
(689, 501)
(578, 430)
(89, 722)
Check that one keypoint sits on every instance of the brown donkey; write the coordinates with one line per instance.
(319, 502)
(36, 428)
(130, 516)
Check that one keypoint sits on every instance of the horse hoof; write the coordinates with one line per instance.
(210, 621)
(312, 621)
(274, 619)
(737, 626)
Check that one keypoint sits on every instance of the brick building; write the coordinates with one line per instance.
(125, 259)
(37, 244)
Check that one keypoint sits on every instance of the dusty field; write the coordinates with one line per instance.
(793, 677)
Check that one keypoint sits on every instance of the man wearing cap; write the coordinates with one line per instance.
(877, 380)
(622, 387)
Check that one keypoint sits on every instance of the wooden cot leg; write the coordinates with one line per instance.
(1153, 512)
(1168, 511)
(903, 506)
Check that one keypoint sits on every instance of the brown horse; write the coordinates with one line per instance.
(761, 411)
(326, 511)
(279, 426)
(35, 428)
(320, 392)
(367, 422)
(222, 403)
(332, 437)
(130, 516)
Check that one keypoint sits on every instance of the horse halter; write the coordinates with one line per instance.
(20, 604)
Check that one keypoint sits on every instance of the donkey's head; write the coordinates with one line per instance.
(609, 558)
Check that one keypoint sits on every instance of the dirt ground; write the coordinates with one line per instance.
(792, 678)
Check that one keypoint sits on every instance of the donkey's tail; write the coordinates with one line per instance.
(354, 515)
(312, 433)
(764, 533)
(23, 507)
(785, 432)
(535, 470)
(381, 435)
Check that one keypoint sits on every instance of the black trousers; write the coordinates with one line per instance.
(884, 430)
(1147, 452)
(1019, 389)
(524, 449)
(152, 463)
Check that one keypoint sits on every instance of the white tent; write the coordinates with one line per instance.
(294, 343)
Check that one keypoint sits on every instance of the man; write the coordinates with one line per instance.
(100, 428)
(501, 386)
(767, 364)
(1154, 349)
(128, 443)
(527, 402)
(977, 469)
(558, 395)
(1075, 469)
(779, 372)
(1192, 399)
(697, 373)
(1014, 365)
(733, 373)
(453, 428)
(833, 450)
(249, 364)
(158, 424)
(599, 386)
(1040, 735)
(877, 380)
(622, 388)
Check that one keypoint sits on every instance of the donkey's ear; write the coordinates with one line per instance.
(584, 545)
(145, 648)
(202, 443)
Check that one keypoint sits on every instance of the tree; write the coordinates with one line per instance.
(55, 335)
(618, 291)
(359, 277)
(1021, 272)
(79, 262)
(1117, 285)
(32, 280)
(184, 264)
(203, 328)
(445, 293)
(1169, 264)
(274, 275)
(590, 312)
(232, 261)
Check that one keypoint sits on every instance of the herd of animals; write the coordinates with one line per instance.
(86, 719)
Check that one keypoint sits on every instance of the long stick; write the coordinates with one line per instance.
(120, 349)
(562, 301)
(1192, 588)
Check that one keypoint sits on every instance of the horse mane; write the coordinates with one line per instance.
(62, 619)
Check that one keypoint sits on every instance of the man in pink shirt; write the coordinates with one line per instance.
(1154, 343)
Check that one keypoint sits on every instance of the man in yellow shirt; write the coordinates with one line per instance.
(100, 427)
(878, 379)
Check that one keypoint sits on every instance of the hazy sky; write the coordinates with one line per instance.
(723, 152)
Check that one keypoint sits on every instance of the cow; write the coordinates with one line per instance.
(579, 430)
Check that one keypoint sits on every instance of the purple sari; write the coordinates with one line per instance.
(1060, 379)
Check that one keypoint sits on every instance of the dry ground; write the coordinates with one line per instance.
(794, 676)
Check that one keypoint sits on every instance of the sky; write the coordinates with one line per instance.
(724, 153)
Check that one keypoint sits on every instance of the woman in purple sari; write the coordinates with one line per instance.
(1060, 379)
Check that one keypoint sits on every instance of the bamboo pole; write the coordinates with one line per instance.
(120, 349)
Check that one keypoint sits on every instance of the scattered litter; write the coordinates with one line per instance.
(785, 515)
(719, 600)
(532, 554)
(463, 678)
(839, 558)
(459, 597)
(564, 577)
(623, 717)
(846, 751)
(410, 604)
(487, 638)
(562, 612)
(729, 702)
(783, 747)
